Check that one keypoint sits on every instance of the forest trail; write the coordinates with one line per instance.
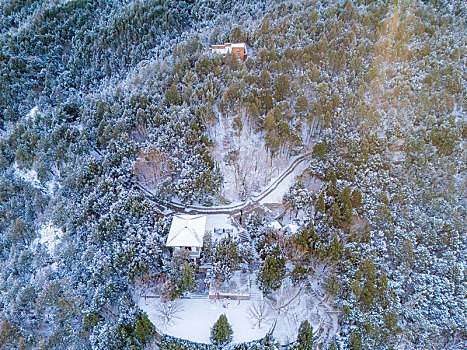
(250, 203)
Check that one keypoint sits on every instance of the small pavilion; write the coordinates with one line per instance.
(187, 232)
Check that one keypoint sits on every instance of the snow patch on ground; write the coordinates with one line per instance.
(49, 235)
(32, 113)
(299, 305)
(30, 176)
(292, 228)
(275, 225)
(286, 308)
(250, 169)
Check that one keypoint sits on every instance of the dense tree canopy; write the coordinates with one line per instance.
(98, 96)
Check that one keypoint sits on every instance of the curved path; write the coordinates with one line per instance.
(246, 205)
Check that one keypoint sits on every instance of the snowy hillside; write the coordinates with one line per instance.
(330, 164)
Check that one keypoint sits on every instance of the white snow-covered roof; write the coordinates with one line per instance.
(187, 231)
(227, 47)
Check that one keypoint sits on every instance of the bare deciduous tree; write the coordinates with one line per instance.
(150, 167)
(260, 312)
(168, 312)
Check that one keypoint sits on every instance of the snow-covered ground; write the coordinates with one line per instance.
(219, 221)
(292, 228)
(197, 316)
(237, 287)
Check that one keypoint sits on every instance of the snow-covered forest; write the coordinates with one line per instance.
(101, 98)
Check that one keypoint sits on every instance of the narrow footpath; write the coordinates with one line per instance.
(248, 204)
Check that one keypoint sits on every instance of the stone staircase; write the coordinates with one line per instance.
(255, 293)
(244, 236)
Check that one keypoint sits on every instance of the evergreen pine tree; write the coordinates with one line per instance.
(301, 106)
(281, 87)
(221, 332)
(227, 258)
(320, 205)
(335, 249)
(351, 176)
(302, 239)
(187, 281)
(335, 214)
(271, 273)
(143, 328)
(314, 239)
(347, 213)
(331, 189)
(345, 199)
(356, 198)
(319, 150)
(172, 95)
(345, 196)
(305, 336)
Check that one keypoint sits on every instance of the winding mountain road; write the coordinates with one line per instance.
(251, 202)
